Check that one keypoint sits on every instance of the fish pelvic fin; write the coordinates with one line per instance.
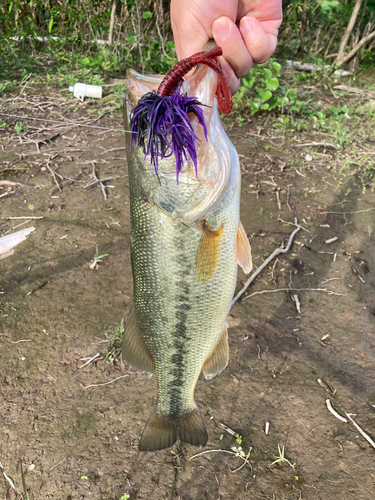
(208, 254)
(219, 357)
(244, 258)
(134, 351)
(162, 432)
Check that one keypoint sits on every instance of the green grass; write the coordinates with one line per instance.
(115, 340)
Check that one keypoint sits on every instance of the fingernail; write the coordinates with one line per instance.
(220, 29)
(247, 24)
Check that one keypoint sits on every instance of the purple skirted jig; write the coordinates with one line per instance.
(160, 124)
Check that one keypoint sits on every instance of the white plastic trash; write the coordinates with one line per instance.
(81, 90)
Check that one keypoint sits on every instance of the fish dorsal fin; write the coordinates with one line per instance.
(244, 258)
(208, 254)
(134, 350)
(219, 357)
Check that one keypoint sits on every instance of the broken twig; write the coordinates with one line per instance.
(267, 261)
(334, 412)
(364, 434)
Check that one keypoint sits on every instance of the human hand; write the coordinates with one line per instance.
(246, 30)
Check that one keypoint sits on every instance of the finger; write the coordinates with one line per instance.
(190, 37)
(259, 38)
(233, 81)
(228, 37)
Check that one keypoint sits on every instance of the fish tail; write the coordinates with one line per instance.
(162, 432)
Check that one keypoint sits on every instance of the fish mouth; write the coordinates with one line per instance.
(197, 194)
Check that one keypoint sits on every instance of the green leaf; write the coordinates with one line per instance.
(276, 66)
(147, 14)
(50, 25)
(171, 45)
(267, 72)
(252, 81)
(272, 83)
(132, 39)
(264, 94)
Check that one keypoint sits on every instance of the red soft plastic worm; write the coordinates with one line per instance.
(175, 75)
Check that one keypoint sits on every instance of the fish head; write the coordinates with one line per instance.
(198, 190)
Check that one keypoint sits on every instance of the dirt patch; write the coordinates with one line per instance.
(77, 441)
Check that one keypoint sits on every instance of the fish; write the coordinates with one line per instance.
(186, 243)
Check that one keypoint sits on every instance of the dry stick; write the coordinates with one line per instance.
(108, 150)
(356, 48)
(97, 181)
(7, 477)
(334, 412)
(90, 360)
(346, 213)
(63, 460)
(267, 261)
(16, 184)
(210, 471)
(366, 436)
(13, 218)
(316, 144)
(106, 383)
(112, 23)
(54, 177)
(287, 198)
(330, 292)
(278, 200)
(64, 123)
(6, 194)
(348, 32)
(229, 430)
(225, 451)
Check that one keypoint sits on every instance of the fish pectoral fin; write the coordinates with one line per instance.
(244, 258)
(219, 357)
(162, 432)
(208, 254)
(134, 350)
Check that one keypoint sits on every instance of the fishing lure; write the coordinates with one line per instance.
(160, 124)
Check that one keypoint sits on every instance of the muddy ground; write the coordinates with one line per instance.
(77, 437)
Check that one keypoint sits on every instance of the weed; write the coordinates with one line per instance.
(24, 483)
(20, 127)
(282, 458)
(239, 439)
(115, 339)
(97, 258)
(125, 497)
(261, 90)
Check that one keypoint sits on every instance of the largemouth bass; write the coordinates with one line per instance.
(186, 242)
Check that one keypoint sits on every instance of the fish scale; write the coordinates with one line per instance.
(179, 317)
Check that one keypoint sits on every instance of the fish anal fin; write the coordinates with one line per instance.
(162, 432)
(208, 254)
(244, 258)
(219, 357)
(134, 350)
